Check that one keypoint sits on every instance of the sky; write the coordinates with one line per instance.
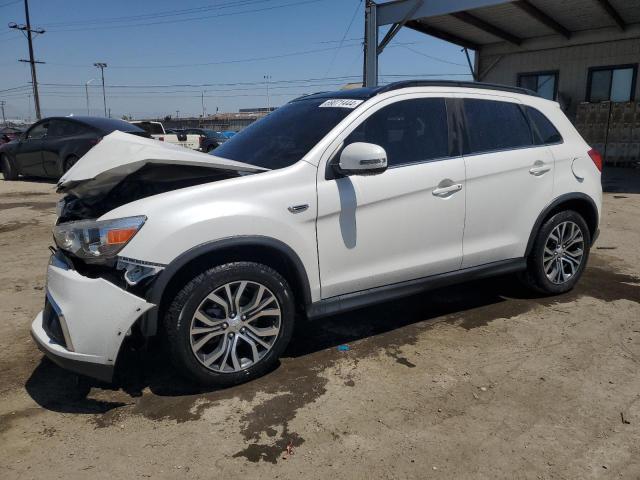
(163, 56)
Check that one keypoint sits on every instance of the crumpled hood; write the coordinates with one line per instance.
(120, 154)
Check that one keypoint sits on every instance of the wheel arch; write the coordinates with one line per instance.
(63, 156)
(265, 250)
(11, 159)
(578, 202)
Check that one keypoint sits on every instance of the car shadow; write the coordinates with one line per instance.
(51, 181)
(147, 366)
(620, 180)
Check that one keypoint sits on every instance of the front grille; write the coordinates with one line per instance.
(51, 323)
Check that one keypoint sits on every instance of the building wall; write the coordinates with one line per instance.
(218, 122)
(501, 63)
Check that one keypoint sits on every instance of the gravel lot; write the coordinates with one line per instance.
(485, 380)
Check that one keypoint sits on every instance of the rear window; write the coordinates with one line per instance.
(150, 128)
(543, 130)
(492, 125)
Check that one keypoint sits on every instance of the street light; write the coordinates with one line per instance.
(102, 66)
(86, 90)
(267, 78)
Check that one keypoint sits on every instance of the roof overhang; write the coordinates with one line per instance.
(476, 23)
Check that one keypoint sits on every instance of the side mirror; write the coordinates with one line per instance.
(362, 159)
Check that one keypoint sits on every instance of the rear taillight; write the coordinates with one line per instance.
(95, 141)
(161, 139)
(596, 157)
(200, 140)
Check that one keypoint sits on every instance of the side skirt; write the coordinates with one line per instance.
(372, 296)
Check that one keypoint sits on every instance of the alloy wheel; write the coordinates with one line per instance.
(563, 252)
(235, 326)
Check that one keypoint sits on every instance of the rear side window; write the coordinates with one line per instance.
(64, 128)
(410, 131)
(493, 125)
(543, 130)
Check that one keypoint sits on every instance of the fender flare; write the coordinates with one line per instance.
(154, 296)
(558, 201)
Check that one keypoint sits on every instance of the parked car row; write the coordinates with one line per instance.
(53, 145)
(209, 139)
(176, 137)
(203, 139)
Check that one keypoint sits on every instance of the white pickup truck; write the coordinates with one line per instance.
(157, 131)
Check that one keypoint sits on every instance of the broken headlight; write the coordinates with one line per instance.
(96, 240)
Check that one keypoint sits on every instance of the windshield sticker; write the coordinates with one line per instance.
(341, 103)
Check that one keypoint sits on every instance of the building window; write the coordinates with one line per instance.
(616, 84)
(545, 84)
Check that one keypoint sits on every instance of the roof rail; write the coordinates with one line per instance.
(453, 83)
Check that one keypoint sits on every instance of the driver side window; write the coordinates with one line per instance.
(38, 131)
(410, 131)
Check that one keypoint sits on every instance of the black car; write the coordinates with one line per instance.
(51, 146)
(209, 139)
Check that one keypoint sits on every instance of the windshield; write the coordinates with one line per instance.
(150, 127)
(213, 134)
(284, 136)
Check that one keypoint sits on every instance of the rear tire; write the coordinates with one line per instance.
(559, 254)
(8, 169)
(214, 335)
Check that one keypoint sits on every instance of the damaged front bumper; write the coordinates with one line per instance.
(85, 320)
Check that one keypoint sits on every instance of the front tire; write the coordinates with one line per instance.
(69, 162)
(9, 171)
(230, 324)
(559, 255)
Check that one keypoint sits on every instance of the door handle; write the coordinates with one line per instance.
(446, 191)
(539, 168)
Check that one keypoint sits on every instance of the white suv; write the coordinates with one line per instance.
(332, 202)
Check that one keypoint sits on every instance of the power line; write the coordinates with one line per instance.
(164, 13)
(253, 59)
(355, 12)
(257, 83)
(9, 3)
(182, 20)
(198, 93)
(430, 56)
(222, 62)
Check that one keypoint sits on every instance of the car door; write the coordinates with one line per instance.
(51, 146)
(404, 224)
(29, 151)
(509, 179)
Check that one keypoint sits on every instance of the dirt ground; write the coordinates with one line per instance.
(484, 380)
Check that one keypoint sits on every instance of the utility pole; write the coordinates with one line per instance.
(4, 119)
(203, 110)
(86, 91)
(177, 114)
(27, 28)
(267, 78)
(102, 66)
